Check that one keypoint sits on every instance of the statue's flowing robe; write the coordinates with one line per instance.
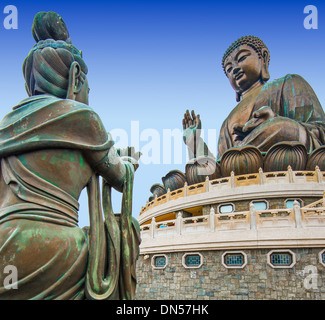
(290, 97)
(39, 235)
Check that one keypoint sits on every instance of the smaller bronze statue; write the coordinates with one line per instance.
(52, 145)
(285, 110)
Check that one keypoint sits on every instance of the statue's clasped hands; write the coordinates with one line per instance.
(129, 155)
(260, 116)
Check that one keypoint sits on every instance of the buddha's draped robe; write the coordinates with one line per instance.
(289, 97)
(39, 233)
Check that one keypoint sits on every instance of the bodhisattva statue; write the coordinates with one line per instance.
(53, 145)
(267, 113)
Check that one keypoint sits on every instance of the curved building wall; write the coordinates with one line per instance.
(305, 279)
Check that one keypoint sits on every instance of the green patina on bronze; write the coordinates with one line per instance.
(52, 146)
(285, 110)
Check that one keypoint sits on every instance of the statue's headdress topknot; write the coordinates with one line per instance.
(50, 25)
(256, 43)
(47, 66)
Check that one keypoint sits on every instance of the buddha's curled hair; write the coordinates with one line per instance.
(256, 43)
(46, 68)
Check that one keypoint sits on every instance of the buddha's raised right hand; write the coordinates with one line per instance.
(191, 128)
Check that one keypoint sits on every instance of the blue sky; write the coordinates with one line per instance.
(149, 61)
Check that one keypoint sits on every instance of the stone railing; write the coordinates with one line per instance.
(294, 218)
(233, 181)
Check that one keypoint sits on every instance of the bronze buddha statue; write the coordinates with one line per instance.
(285, 110)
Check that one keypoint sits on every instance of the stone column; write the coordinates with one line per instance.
(290, 175)
(297, 213)
(319, 174)
(232, 179)
(252, 216)
(212, 219)
(168, 194)
(153, 227)
(261, 175)
(179, 222)
(185, 189)
(207, 182)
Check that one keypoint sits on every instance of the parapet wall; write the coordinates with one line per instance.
(212, 280)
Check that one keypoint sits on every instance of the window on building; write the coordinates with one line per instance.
(281, 259)
(260, 205)
(322, 257)
(234, 259)
(159, 261)
(289, 203)
(192, 260)
(226, 208)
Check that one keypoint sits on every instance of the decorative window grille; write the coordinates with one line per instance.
(234, 259)
(281, 259)
(193, 260)
(159, 261)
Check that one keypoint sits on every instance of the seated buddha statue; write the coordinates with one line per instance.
(267, 113)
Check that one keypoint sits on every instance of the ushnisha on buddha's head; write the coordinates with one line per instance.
(246, 64)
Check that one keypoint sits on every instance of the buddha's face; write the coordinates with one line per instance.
(243, 68)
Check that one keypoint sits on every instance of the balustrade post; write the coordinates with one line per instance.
(179, 222)
(232, 179)
(252, 216)
(207, 182)
(212, 219)
(185, 189)
(261, 175)
(319, 174)
(297, 213)
(153, 227)
(168, 194)
(290, 175)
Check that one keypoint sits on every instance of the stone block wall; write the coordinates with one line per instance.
(257, 280)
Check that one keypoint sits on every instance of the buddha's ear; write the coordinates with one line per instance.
(265, 65)
(74, 80)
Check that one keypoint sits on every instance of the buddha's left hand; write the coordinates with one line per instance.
(260, 116)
